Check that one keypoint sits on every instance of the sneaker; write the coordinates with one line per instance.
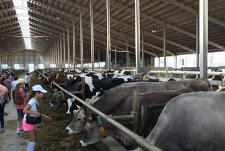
(5, 113)
(2, 130)
(18, 131)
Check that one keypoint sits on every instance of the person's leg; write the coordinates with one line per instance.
(32, 140)
(19, 121)
(2, 117)
(4, 109)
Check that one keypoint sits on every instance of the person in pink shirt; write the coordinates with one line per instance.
(3, 93)
(20, 94)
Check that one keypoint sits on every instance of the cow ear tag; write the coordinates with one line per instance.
(101, 128)
(57, 76)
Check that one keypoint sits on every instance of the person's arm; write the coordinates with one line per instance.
(45, 116)
(27, 110)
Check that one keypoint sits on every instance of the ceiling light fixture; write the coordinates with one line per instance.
(153, 29)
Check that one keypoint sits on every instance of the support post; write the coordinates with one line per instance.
(115, 55)
(68, 43)
(137, 34)
(142, 48)
(197, 41)
(92, 35)
(203, 37)
(98, 57)
(74, 45)
(81, 42)
(127, 55)
(108, 49)
(64, 49)
(61, 51)
(164, 45)
(164, 48)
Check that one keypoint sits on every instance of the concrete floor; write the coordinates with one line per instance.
(9, 140)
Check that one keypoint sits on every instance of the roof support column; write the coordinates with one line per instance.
(74, 45)
(51, 56)
(92, 35)
(98, 57)
(197, 41)
(142, 47)
(81, 42)
(175, 61)
(108, 49)
(54, 53)
(64, 49)
(127, 55)
(164, 45)
(203, 37)
(115, 55)
(61, 50)
(58, 54)
(68, 43)
(137, 34)
(5, 57)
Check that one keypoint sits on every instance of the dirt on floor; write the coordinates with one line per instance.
(52, 136)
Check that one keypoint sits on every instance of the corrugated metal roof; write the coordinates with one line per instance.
(49, 18)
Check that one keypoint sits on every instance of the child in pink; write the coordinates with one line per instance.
(19, 108)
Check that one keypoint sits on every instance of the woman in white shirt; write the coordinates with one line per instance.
(32, 108)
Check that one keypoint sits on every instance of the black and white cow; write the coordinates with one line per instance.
(191, 122)
(118, 101)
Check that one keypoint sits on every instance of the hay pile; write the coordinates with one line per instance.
(52, 136)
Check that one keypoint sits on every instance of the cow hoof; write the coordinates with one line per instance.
(83, 144)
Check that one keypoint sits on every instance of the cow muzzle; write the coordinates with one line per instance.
(77, 128)
(91, 135)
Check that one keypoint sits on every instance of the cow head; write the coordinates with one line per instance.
(93, 133)
(79, 117)
(76, 126)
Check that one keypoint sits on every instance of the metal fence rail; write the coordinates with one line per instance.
(185, 73)
(138, 139)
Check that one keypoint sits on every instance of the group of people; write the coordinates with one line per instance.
(28, 111)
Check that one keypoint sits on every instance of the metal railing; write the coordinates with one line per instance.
(143, 143)
(185, 73)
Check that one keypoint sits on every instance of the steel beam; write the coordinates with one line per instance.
(164, 45)
(194, 12)
(81, 41)
(203, 37)
(137, 35)
(142, 49)
(127, 55)
(68, 43)
(92, 35)
(148, 17)
(108, 49)
(197, 41)
(74, 45)
(64, 49)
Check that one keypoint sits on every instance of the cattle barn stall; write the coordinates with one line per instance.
(96, 28)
